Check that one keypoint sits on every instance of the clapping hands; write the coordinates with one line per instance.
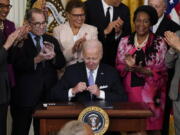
(78, 44)
(48, 50)
(132, 67)
(130, 60)
(46, 53)
(16, 36)
(172, 39)
(116, 24)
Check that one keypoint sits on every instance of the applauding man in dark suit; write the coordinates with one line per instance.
(35, 60)
(112, 18)
(90, 80)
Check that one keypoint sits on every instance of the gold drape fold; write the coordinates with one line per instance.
(133, 4)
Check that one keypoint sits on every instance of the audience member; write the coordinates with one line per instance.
(164, 22)
(140, 61)
(173, 61)
(173, 40)
(73, 33)
(76, 127)
(7, 27)
(90, 80)
(4, 80)
(35, 60)
(112, 18)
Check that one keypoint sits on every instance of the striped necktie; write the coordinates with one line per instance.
(38, 46)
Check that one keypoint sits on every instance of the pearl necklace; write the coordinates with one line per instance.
(139, 46)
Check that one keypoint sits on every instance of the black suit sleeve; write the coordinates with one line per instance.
(58, 61)
(126, 29)
(3, 55)
(116, 91)
(21, 59)
(60, 90)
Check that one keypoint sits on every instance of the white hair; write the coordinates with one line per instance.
(74, 127)
(91, 44)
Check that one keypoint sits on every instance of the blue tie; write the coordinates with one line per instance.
(91, 81)
(91, 78)
(38, 46)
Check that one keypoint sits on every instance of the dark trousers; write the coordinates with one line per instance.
(168, 104)
(3, 118)
(21, 121)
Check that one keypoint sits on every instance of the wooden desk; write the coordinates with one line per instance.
(123, 116)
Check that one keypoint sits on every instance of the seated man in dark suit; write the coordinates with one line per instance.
(90, 80)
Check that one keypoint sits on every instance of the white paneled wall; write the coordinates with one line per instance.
(17, 11)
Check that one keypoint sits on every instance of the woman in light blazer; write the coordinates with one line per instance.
(74, 32)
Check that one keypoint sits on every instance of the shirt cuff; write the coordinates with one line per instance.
(102, 95)
(35, 66)
(70, 94)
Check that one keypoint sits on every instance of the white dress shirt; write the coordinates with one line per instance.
(155, 27)
(35, 42)
(111, 10)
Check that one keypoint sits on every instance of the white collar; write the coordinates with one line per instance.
(94, 71)
(155, 27)
(105, 7)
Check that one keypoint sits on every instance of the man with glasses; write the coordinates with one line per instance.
(35, 59)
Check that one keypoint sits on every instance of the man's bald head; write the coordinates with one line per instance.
(159, 5)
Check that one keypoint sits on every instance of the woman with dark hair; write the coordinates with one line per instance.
(140, 61)
(73, 33)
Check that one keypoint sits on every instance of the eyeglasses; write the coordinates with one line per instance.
(5, 6)
(39, 24)
(78, 15)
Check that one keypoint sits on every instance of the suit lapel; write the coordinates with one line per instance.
(161, 26)
(114, 14)
(83, 73)
(31, 45)
(101, 9)
(100, 76)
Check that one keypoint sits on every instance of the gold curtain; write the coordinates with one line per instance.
(133, 4)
